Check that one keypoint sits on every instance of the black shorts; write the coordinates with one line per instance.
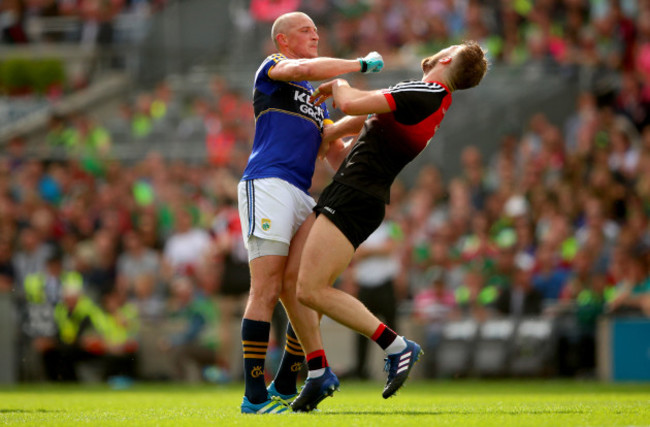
(354, 212)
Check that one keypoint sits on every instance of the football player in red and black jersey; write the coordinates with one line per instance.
(402, 119)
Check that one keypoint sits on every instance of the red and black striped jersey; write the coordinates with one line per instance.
(389, 141)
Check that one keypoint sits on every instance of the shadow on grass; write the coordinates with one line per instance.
(462, 412)
(28, 411)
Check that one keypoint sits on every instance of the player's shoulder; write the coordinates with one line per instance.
(268, 63)
(271, 60)
(275, 58)
(417, 86)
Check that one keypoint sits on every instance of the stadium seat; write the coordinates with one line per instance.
(493, 347)
(454, 355)
(533, 348)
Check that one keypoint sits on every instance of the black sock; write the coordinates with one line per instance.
(317, 360)
(255, 341)
(292, 361)
(384, 336)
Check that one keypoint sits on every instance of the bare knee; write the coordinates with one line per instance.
(307, 296)
(289, 284)
(265, 292)
(264, 297)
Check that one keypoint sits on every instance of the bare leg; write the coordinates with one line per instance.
(304, 320)
(326, 254)
(266, 282)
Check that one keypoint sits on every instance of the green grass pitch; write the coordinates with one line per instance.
(421, 403)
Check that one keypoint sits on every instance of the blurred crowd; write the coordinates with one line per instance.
(94, 20)
(94, 250)
(555, 222)
(579, 36)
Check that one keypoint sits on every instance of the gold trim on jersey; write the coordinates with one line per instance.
(277, 110)
(277, 57)
(297, 85)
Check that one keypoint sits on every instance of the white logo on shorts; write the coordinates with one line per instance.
(330, 210)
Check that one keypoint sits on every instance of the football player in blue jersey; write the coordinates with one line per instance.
(290, 133)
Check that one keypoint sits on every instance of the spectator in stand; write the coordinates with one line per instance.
(473, 298)
(631, 102)
(578, 127)
(38, 327)
(97, 21)
(477, 244)
(432, 307)
(549, 278)
(596, 219)
(12, 22)
(196, 342)
(632, 291)
(581, 302)
(439, 255)
(185, 247)
(146, 225)
(78, 321)
(138, 266)
(30, 258)
(642, 51)
(624, 157)
(550, 158)
(269, 10)
(475, 175)
(100, 272)
(520, 299)
(499, 269)
(148, 300)
(417, 231)
(7, 272)
(119, 334)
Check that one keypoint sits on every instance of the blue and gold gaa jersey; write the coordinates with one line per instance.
(288, 129)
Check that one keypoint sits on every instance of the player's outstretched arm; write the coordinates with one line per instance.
(351, 101)
(324, 68)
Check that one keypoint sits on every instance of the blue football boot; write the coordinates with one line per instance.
(399, 366)
(274, 393)
(271, 406)
(315, 390)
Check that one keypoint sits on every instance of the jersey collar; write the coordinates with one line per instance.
(438, 83)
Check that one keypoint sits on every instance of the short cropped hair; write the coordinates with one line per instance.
(469, 66)
(282, 23)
